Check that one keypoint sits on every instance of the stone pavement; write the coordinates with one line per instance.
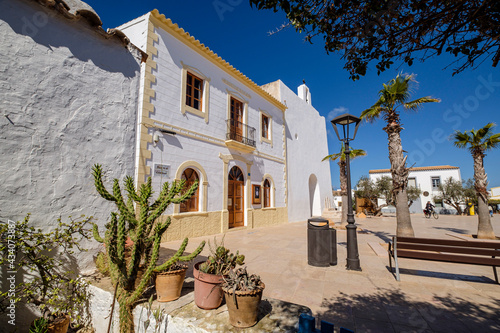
(431, 297)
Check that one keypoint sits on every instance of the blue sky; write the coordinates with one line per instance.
(239, 34)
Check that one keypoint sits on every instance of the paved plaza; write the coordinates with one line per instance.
(431, 297)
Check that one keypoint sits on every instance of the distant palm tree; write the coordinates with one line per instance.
(343, 175)
(396, 93)
(478, 142)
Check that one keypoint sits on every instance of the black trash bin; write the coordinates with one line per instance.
(321, 243)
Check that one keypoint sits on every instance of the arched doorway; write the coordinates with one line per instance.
(314, 197)
(235, 197)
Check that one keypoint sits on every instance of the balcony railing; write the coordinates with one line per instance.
(237, 130)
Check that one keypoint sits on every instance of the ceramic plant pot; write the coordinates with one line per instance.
(207, 289)
(169, 284)
(243, 307)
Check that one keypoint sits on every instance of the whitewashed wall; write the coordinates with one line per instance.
(306, 147)
(68, 99)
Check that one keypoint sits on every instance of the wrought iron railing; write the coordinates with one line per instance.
(240, 132)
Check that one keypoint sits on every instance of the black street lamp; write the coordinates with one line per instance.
(349, 124)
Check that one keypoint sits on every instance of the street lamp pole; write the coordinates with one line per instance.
(345, 121)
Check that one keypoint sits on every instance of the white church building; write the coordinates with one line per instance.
(201, 119)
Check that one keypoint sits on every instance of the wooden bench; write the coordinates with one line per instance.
(485, 253)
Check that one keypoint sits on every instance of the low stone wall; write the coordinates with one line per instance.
(183, 316)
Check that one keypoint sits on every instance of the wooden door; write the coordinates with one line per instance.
(235, 196)
(236, 120)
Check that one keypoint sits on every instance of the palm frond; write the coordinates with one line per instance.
(482, 139)
(371, 114)
(416, 104)
(356, 153)
(493, 141)
(461, 139)
(486, 130)
(332, 157)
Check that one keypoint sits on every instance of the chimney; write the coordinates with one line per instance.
(304, 93)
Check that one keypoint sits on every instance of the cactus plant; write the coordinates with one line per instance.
(221, 260)
(137, 218)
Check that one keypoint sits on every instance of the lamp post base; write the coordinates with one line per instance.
(353, 262)
(353, 265)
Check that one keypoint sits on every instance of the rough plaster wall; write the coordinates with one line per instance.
(305, 128)
(68, 100)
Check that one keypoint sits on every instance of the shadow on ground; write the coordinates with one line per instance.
(441, 275)
(458, 231)
(386, 237)
(394, 311)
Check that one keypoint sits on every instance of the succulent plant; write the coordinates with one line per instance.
(221, 260)
(240, 280)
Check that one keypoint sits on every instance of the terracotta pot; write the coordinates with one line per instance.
(60, 325)
(207, 289)
(169, 285)
(243, 313)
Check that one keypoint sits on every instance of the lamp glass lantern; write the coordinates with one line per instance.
(350, 126)
(346, 121)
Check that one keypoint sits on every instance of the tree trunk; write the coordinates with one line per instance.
(399, 174)
(454, 205)
(343, 191)
(404, 227)
(484, 228)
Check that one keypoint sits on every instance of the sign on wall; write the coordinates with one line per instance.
(162, 170)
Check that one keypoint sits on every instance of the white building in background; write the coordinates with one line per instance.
(200, 118)
(427, 179)
(309, 180)
(495, 193)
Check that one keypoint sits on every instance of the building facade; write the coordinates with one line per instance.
(427, 179)
(201, 119)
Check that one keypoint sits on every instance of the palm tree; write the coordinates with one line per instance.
(478, 142)
(396, 93)
(343, 175)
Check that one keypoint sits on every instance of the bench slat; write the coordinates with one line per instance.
(449, 249)
(449, 258)
(449, 242)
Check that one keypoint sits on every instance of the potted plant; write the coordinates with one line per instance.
(208, 275)
(169, 283)
(49, 281)
(243, 294)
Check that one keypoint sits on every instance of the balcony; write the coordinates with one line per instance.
(240, 136)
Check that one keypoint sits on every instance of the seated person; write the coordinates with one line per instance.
(429, 207)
